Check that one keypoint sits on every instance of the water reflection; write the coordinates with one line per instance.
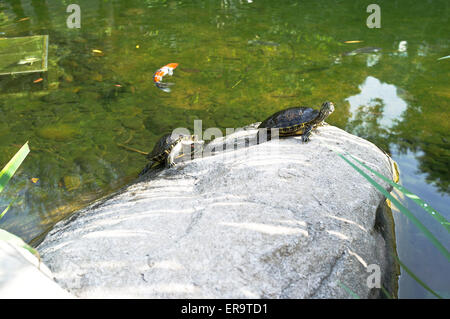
(374, 93)
(372, 59)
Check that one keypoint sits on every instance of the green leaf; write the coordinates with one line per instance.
(10, 168)
(417, 278)
(15, 240)
(350, 292)
(402, 209)
(433, 212)
(7, 208)
(386, 293)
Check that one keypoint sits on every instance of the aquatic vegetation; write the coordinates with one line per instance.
(10, 168)
(407, 213)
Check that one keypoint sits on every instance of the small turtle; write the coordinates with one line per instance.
(298, 120)
(170, 147)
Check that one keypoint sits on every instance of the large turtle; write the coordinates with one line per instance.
(170, 147)
(297, 120)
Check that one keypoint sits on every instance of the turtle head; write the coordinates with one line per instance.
(326, 109)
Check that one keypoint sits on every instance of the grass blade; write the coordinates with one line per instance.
(348, 290)
(8, 171)
(7, 208)
(417, 278)
(386, 293)
(15, 240)
(402, 209)
(433, 212)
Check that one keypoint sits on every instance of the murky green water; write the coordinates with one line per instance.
(240, 61)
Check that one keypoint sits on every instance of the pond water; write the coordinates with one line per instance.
(240, 61)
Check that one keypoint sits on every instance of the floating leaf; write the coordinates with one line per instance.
(98, 52)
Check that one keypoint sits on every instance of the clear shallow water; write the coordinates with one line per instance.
(240, 61)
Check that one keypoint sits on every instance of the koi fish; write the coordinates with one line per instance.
(160, 73)
(363, 50)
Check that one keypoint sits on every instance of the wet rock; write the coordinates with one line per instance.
(281, 219)
(58, 132)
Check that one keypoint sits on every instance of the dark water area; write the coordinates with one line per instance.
(240, 61)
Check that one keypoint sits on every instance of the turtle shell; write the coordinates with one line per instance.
(163, 147)
(293, 116)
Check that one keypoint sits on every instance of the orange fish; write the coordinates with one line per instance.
(35, 180)
(353, 41)
(160, 73)
(38, 80)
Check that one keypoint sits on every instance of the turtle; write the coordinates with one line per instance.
(297, 120)
(168, 148)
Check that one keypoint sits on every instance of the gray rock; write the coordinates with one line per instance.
(22, 274)
(281, 219)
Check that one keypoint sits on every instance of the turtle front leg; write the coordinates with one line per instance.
(170, 164)
(176, 150)
(170, 161)
(306, 133)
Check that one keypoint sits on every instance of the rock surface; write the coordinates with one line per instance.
(281, 219)
(22, 274)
